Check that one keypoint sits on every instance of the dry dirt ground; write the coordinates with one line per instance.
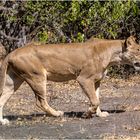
(118, 96)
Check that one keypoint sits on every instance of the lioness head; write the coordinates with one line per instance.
(131, 53)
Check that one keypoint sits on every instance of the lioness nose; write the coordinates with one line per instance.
(137, 64)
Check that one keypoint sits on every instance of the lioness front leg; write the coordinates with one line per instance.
(98, 110)
(91, 90)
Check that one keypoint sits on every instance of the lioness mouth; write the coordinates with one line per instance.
(137, 66)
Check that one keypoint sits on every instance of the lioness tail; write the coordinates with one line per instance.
(3, 71)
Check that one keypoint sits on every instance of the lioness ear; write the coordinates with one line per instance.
(128, 43)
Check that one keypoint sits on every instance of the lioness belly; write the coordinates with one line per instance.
(60, 77)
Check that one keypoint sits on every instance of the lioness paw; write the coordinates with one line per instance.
(102, 114)
(4, 121)
(59, 113)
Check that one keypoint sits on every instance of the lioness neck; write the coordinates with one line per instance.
(109, 52)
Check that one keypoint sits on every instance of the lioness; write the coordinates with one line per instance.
(85, 62)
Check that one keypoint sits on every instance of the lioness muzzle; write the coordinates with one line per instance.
(85, 62)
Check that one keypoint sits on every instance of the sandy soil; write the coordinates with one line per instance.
(120, 97)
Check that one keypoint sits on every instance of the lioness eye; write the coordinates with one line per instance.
(138, 49)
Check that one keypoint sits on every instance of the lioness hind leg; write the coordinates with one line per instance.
(12, 83)
(38, 85)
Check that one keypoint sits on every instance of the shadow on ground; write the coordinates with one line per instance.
(71, 114)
